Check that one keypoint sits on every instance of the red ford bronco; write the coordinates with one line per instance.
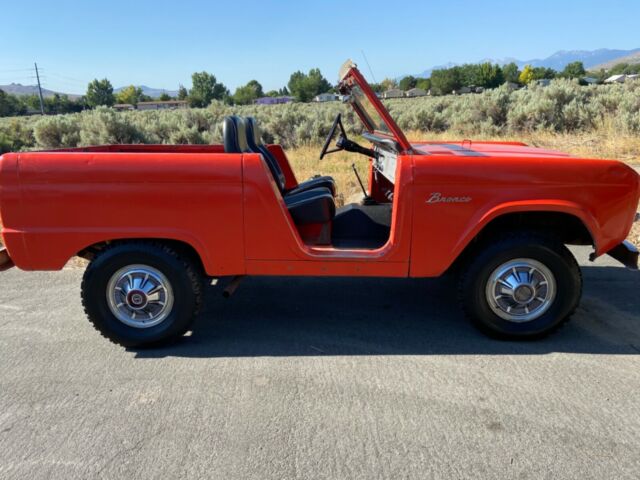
(155, 220)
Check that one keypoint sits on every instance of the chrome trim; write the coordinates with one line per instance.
(521, 290)
(140, 296)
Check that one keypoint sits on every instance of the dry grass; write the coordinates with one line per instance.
(634, 235)
(305, 163)
(604, 142)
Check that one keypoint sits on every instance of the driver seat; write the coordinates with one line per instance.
(312, 209)
(254, 141)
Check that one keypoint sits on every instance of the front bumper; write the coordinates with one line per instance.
(626, 253)
(5, 260)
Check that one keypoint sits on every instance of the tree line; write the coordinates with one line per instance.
(302, 87)
(205, 89)
(487, 75)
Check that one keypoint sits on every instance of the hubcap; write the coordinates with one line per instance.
(521, 290)
(139, 296)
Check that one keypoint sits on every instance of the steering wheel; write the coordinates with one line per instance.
(332, 133)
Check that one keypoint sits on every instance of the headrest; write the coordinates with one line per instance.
(234, 135)
(253, 132)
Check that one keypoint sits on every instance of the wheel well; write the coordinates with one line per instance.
(182, 248)
(567, 228)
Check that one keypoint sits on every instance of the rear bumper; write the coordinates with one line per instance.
(626, 253)
(5, 260)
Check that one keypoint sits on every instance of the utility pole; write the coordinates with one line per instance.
(39, 90)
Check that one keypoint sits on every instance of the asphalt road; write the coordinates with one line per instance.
(320, 378)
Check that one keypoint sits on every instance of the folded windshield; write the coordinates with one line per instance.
(373, 118)
(368, 106)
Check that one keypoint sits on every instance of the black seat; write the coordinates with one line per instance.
(254, 139)
(309, 206)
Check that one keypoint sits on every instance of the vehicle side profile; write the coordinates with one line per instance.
(155, 220)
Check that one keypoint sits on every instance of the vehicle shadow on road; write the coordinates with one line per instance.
(365, 316)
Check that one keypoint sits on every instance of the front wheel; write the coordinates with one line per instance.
(521, 286)
(139, 293)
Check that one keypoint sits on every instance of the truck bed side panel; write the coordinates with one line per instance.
(71, 201)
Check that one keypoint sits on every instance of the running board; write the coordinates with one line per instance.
(5, 260)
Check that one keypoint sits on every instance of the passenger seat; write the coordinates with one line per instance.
(254, 140)
(313, 206)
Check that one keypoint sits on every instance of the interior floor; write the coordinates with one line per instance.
(361, 226)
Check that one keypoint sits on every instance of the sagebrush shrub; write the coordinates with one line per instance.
(564, 106)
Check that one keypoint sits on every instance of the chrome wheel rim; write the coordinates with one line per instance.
(521, 290)
(140, 296)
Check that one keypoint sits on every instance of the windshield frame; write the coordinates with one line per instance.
(351, 77)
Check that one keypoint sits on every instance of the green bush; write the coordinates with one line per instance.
(564, 106)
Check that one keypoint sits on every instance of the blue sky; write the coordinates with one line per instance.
(160, 43)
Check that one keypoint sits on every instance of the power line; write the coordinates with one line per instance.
(17, 70)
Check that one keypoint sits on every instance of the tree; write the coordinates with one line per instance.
(257, 87)
(469, 74)
(574, 70)
(446, 81)
(248, 94)
(388, 84)
(205, 89)
(165, 97)
(490, 75)
(424, 84)
(526, 76)
(182, 93)
(408, 82)
(100, 92)
(131, 95)
(511, 73)
(625, 68)
(541, 72)
(57, 104)
(306, 86)
(10, 105)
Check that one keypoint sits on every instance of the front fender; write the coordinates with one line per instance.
(477, 224)
(447, 232)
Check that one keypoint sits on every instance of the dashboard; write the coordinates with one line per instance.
(385, 162)
(386, 158)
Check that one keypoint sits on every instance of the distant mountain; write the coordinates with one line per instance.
(152, 92)
(19, 89)
(630, 59)
(559, 60)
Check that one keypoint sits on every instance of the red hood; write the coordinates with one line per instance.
(481, 149)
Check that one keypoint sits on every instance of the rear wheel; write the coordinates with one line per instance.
(140, 293)
(521, 286)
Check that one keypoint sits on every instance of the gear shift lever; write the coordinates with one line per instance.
(366, 200)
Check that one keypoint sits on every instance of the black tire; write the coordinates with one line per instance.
(183, 277)
(544, 249)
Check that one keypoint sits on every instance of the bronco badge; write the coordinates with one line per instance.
(436, 197)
